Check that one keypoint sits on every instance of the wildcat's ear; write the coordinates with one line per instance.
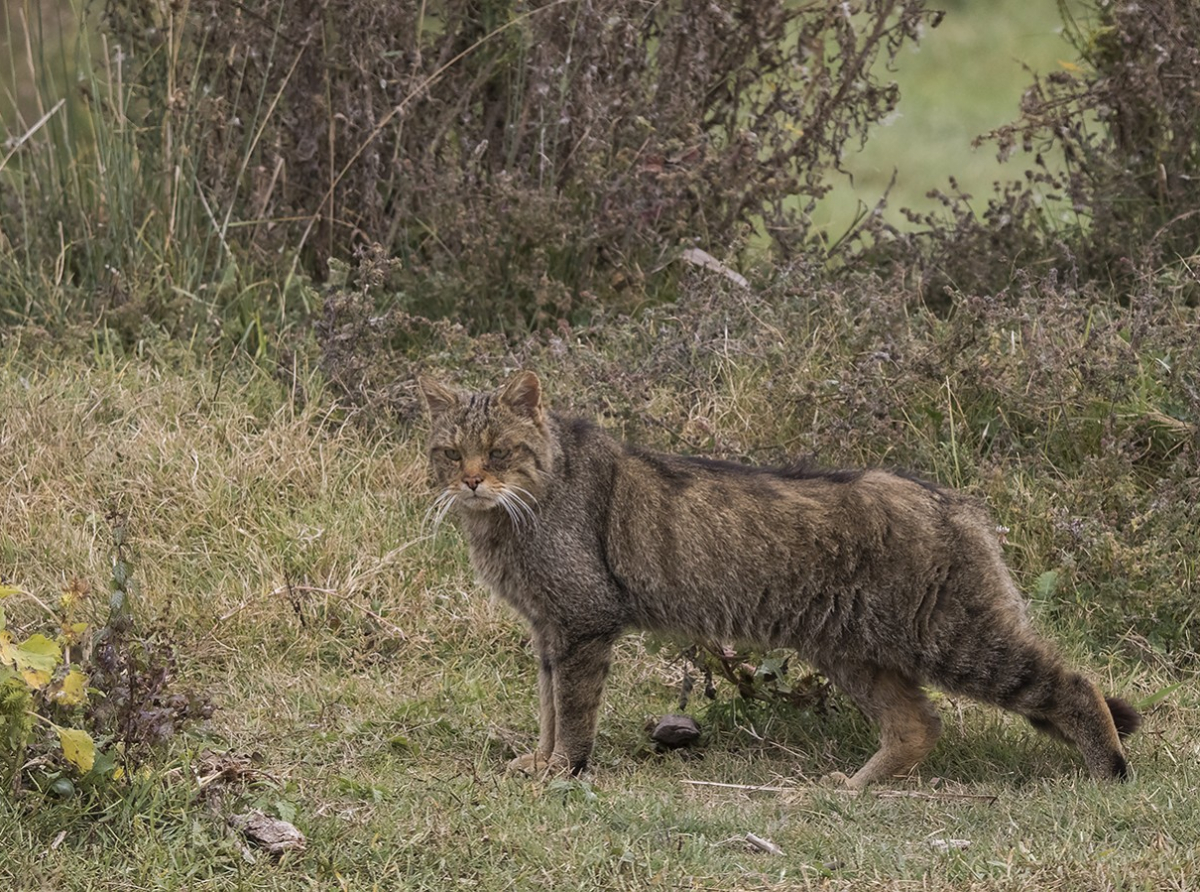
(523, 394)
(438, 398)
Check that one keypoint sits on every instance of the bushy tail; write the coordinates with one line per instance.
(1125, 717)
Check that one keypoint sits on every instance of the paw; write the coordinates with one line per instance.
(537, 764)
(837, 780)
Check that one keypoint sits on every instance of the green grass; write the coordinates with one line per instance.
(963, 79)
(381, 691)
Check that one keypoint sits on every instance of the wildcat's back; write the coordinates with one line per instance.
(797, 558)
(881, 581)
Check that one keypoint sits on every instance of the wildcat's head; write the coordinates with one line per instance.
(489, 451)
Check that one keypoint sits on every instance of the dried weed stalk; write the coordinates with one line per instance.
(524, 160)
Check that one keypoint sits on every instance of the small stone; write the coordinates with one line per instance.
(268, 833)
(674, 731)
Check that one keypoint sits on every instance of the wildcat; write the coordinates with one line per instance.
(881, 581)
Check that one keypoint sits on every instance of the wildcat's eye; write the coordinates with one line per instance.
(499, 454)
(452, 454)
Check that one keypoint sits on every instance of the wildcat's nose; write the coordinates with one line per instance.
(472, 481)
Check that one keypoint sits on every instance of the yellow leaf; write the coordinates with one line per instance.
(8, 590)
(1069, 66)
(73, 691)
(35, 678)
(35, 658)
(78, 747)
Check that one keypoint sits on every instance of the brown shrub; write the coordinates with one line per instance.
(524, 160)
(1126, 201)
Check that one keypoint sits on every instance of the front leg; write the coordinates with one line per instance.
(541, 759)
(546, 715)
(577, 673)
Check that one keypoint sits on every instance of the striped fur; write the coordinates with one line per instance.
(883, 582)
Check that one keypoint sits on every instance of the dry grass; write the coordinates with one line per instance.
(380, 691)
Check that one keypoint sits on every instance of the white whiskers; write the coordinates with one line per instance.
(518, 503)
(440, 508)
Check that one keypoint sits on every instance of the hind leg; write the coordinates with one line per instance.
(909, 726)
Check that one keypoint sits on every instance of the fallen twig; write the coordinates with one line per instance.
(346, 599)
(878, 794)
(747, 787)
(697, 257)
(763, 845)
(919, 794)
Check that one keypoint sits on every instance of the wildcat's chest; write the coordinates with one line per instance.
(511, 568)
(552, 573)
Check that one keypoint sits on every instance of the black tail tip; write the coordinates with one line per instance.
(1125, 717)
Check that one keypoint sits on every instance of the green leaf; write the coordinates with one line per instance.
(15, 699)
(1158, 696)
(38, 652)
(1046, 585)
(286, 810)
(772, 666)
(572, 788)
(8, 590)
(78, 747)
(104, 766)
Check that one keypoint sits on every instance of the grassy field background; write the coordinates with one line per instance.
(962, 80)
(368, 690)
